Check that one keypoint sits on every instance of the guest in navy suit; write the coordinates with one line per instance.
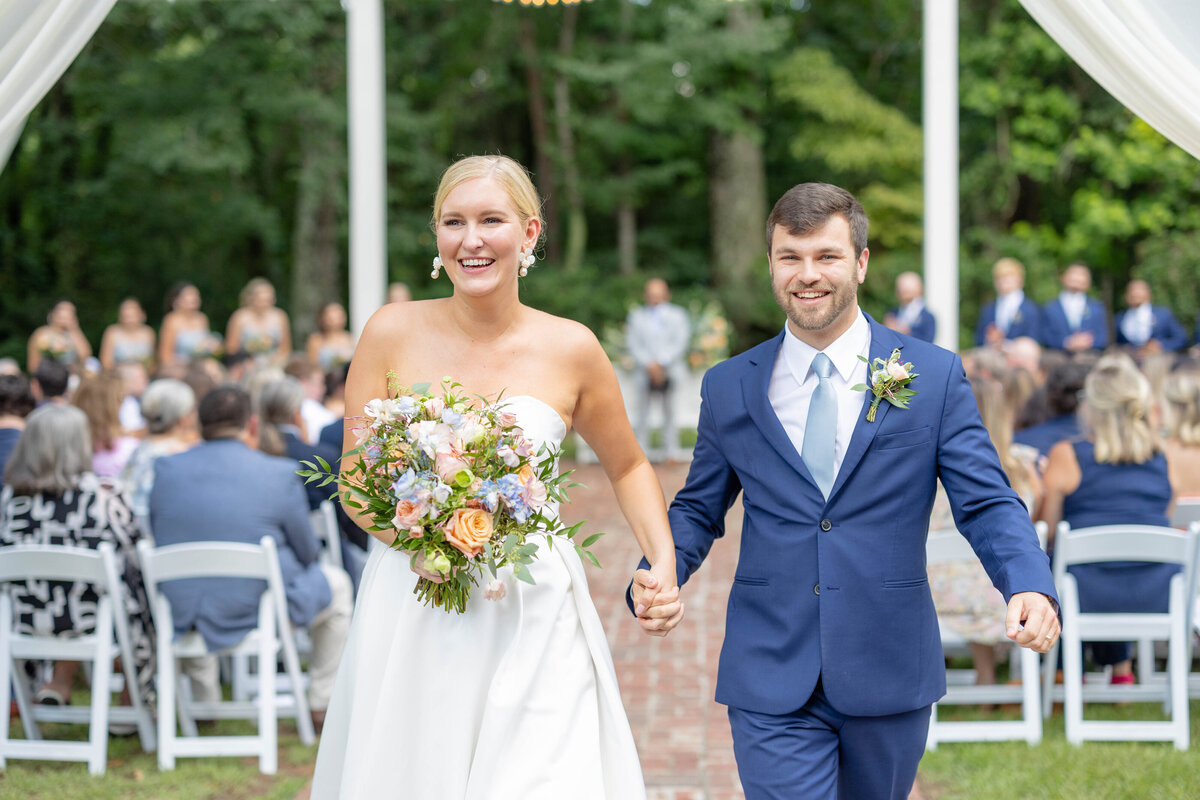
(1148, 328)
(1073, 321)
(911, 317)
(1117, 475)
(832, 655)
(1012, 314)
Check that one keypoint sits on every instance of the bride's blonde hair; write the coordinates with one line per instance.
(502, 169)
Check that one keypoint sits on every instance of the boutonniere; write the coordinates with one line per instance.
(889, 380)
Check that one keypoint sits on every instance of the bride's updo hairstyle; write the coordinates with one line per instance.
(504, 171)
(1116, 409)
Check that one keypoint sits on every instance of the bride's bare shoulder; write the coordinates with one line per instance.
(394, 318)
(572, 340)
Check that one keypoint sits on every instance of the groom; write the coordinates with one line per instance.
(832, 656)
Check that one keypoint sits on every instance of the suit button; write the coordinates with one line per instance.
(826, 525)
(817, 589)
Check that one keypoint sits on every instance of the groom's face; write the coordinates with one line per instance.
(815, 277)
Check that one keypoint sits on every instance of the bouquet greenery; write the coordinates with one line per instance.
(457, 484)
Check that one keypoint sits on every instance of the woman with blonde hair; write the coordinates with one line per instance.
(100, 396)
(259, 327)
(1117, 475)
(528, 704)
(1181, 395)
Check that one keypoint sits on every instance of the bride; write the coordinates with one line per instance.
(515, 699)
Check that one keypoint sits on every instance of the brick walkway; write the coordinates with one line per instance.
(667, 684)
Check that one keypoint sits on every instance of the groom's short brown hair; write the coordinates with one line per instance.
(807, 206)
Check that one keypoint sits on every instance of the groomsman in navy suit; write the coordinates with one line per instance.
(912, 317)
(1012, 314)
(832, 656)
(1146, 327)
(1073, 321)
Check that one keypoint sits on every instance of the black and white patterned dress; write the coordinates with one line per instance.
(95, 512)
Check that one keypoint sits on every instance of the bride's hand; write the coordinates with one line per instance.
(656, 600)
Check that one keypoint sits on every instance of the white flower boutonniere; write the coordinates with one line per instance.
(889, 380)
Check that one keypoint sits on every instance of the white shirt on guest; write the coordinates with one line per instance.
(1074, 305)
(793, 383)
(911, 314)
(1138, 324)
(1007, 306)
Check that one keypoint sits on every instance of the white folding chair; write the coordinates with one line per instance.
(1099, 544)
(273, 635)
(1187, 511)
(110, 638)
(949, 545)
(325, 526)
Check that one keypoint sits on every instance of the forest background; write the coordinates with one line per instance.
(206, 141)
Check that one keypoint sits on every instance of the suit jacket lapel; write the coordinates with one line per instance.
(755, 382)
(883, 342)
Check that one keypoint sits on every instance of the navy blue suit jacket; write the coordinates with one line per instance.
(1056, 328)
(1044, 436)
(222, 491)
(838, 589)
(1167, 330)
(925, 328)
(1028, 322)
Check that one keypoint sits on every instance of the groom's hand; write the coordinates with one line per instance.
(658, 609)
(1041, 626)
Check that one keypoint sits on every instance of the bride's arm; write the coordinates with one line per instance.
(599, 417)
(366, 380)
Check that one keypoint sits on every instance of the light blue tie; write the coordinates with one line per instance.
(820, 430)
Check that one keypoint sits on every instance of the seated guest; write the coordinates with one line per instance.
(1182, 444)
(50, 382)
(1012, 314)
(313, 411)
(911, 317)
(16, 401)
(1117, 475)
(1063, 386)
(100, 397)
(280, 410)
(51, 496)
(967, 603)
(1073, 321)
(225, 490)
(1145, 327)
(169, 407)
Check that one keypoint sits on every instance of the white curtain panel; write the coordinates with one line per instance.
(38, 41)
(1145, 53)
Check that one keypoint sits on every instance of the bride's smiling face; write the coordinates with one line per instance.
(479, 236)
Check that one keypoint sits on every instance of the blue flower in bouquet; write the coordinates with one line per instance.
(405, 486)
(488, 493)
(407, 406)
(429, 436)
(452, 417)
(441, 492)
(512, 493)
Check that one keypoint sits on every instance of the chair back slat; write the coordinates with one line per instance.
(1186, 512)
(52, 562)
(1149, 543)
(209, 560)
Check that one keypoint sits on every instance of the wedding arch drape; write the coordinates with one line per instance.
(1145, 53)
(38, 41)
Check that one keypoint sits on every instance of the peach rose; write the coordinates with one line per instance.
(408, 514)
(525, 474)
(468, 529)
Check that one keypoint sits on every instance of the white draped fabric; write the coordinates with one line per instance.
(1145, 53)
(38, 41)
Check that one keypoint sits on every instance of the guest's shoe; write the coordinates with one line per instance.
(51, 697)
(121, 729)
(318, 721)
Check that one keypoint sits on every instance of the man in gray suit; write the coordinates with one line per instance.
(225, 490)
(657, 335)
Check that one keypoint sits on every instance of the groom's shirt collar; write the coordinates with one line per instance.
(844, 351)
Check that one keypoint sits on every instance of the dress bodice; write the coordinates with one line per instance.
(1111, 494)
(540, 422)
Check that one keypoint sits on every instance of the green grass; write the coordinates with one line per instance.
(1055, 770)
(134, 775)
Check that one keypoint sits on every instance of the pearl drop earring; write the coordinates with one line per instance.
(437, 267)
(526, 260)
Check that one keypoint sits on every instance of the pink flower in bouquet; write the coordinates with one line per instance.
(449, 463)
(535, 494)
(508, 455)
(416, 532)
(468, 529)
(506, 419)
(523, 447)
(496, 590)
(434, 406)
(471, 430)
(430, 435)
(409, 513)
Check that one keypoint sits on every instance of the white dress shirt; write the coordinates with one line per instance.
(1007, 306)
(911, 314)
(793, 383)
(1074, 305)
(1138, 324)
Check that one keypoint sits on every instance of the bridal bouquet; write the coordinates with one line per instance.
(457, 484)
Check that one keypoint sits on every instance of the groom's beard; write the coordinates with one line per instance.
(840, 298)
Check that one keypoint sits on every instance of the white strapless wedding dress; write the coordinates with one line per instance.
(515, 699)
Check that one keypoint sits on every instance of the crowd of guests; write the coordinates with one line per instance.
(1090, 438)
(178, 436)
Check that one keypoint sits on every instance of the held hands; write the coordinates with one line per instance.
(656, 601)
(1041, 621)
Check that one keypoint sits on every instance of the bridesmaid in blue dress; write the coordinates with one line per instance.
(1117, 475)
